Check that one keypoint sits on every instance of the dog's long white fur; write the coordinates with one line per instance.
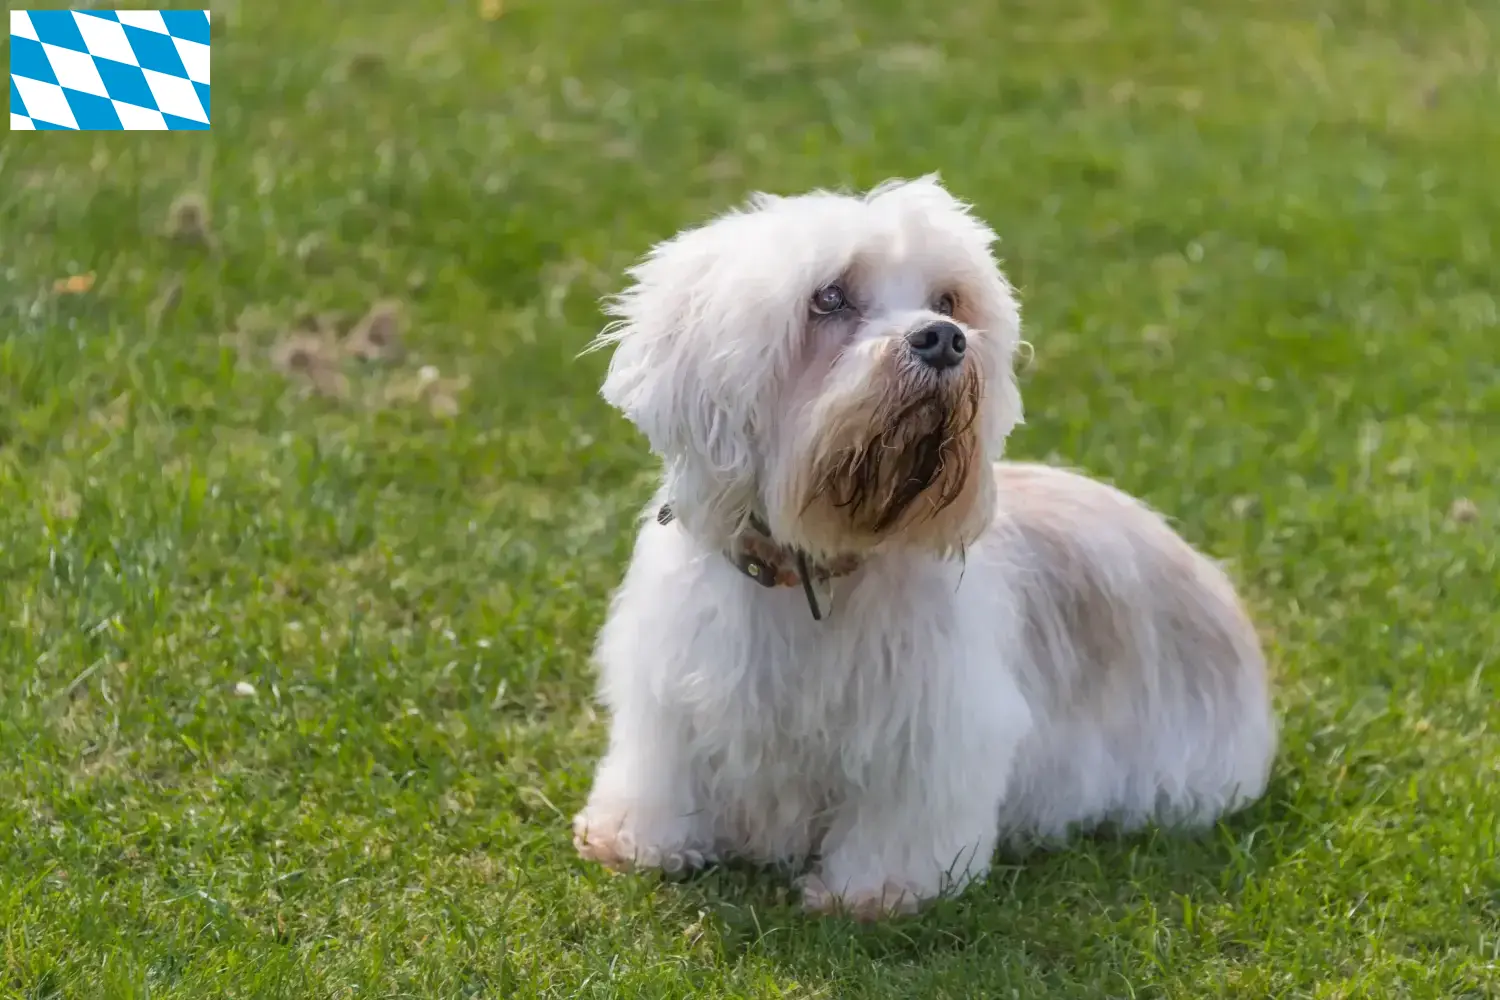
(1043, 655)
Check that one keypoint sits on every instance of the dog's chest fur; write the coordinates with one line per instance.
(790, 716)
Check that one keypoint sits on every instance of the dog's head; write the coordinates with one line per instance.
(840, 365)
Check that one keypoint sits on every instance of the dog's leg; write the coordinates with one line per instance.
(926, 820)
(642, 812)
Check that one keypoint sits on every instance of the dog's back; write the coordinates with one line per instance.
(1140, 656)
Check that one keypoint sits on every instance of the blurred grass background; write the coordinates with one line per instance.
(294, 692)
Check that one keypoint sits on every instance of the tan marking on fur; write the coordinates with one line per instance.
(1042, 510)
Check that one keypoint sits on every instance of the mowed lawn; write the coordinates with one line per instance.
(294, 680)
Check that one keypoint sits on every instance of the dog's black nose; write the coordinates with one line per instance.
(940, 345)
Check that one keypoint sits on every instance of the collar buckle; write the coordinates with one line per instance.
(756, 569)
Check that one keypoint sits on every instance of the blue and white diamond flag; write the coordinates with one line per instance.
(108, 70)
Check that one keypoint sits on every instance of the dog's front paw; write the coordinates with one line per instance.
(864, 905)
(611, 842)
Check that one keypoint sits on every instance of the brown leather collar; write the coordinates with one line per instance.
(769, 563)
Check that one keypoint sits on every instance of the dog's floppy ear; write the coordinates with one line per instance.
(994, 310)
(672, 375)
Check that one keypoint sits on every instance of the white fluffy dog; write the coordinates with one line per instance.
(845, 635)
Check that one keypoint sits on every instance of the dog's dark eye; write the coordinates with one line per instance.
(945, 304)
(828, 299)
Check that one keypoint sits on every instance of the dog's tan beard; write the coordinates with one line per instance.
(916, 458)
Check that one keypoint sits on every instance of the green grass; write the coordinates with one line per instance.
(1256, 244)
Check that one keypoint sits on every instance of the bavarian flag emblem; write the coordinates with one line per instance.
(108, 70)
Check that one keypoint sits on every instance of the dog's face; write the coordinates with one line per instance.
(841, 366)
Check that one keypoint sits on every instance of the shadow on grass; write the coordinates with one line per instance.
(1050, 903)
